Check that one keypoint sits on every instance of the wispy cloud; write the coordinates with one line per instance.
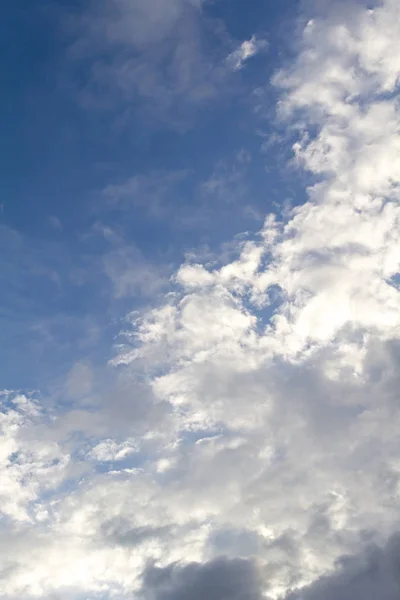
(165, 54)
(183, 198)
(150, 192)
(132, 275)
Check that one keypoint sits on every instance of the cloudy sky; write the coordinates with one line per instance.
(199, 307)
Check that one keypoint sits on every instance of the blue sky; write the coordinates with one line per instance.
(65, 141)
(199, 306)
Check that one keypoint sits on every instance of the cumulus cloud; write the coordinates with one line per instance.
(29, 466)
(341, 249)
(110, 450)
(255, 410)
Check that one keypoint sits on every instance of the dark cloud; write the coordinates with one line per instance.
(373, 575)
(220, 579)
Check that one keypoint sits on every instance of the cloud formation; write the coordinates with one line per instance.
(248, 440)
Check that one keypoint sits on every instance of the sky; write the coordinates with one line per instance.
(199, 306)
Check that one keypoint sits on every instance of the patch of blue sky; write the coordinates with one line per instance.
(192, 437)
(395, 281)
(128, 464)
(58, 303)
(11, 399)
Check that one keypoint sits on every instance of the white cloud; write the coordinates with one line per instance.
(110, 450)
(29, 466)
(246, 50)
(342, 249)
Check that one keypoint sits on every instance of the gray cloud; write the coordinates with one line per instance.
(220, 579)
(120, 531)
(371, 575)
